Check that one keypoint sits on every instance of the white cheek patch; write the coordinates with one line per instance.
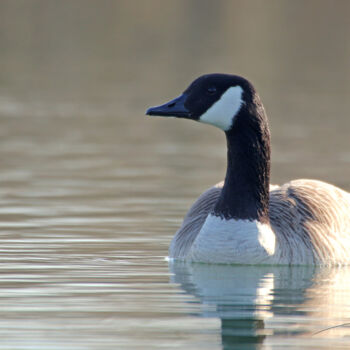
(223, 111)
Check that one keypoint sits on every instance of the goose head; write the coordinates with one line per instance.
(215, 99)
(230, 103)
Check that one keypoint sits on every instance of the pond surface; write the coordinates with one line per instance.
(91, 190)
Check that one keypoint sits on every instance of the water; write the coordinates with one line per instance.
(91, 190)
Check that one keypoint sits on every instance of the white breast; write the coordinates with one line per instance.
(235, 241)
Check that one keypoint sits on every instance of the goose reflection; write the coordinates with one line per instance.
(259, 304)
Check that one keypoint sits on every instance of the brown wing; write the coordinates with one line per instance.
(314, 214)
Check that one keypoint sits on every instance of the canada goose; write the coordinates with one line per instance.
(243, 220)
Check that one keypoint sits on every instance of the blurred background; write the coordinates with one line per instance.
(92, 190)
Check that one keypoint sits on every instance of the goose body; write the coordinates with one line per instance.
(244, 219)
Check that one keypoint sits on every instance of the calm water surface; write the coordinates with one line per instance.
(91, 190)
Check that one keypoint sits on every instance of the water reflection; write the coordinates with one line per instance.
(257, 305)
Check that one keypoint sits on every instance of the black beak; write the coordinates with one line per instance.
(173, 108)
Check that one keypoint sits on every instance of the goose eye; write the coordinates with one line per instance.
(211, 90)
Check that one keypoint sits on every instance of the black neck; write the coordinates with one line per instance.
(245, 195)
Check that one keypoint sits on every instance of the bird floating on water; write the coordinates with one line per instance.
(244, 220)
